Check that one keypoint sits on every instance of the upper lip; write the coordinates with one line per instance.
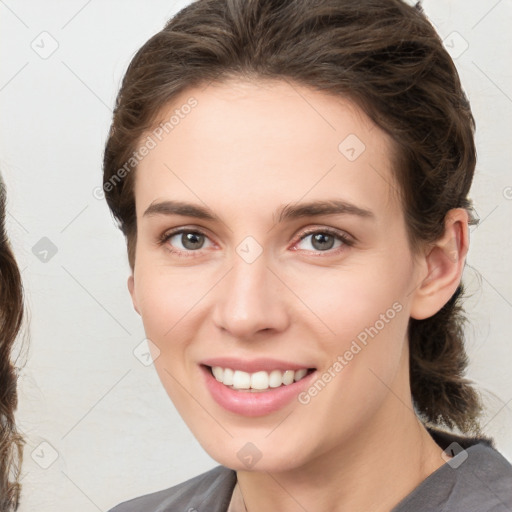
(254, 365)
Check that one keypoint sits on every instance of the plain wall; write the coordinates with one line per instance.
(94, 415)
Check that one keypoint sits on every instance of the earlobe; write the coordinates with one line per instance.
(445, 263)
(131, 289)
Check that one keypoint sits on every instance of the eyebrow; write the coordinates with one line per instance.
(321, 207)
(285, 212)
(180, 208)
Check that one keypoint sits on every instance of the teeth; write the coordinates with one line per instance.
(228, 376)
(218, 373)
(259, 380)
(299, 374)
(288, 377)
(275, 379)
(241, 380)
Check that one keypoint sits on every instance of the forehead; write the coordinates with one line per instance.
(265, 141)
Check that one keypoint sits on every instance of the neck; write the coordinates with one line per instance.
(380, 465)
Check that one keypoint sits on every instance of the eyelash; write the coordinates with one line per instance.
(346, 241)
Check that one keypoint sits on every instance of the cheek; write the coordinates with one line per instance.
(364, 317)
(168, 304)
(361, 362)
(344, 302)
(168, 300)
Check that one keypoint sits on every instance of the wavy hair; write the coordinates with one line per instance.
(11, 317)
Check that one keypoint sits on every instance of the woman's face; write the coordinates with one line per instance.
(271, 243)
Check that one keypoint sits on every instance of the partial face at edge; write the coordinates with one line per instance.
(254, 285)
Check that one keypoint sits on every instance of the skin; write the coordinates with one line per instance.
(246, 149)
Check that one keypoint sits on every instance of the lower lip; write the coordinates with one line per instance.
(248, 403)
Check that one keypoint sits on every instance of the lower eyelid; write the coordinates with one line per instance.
(344, 245)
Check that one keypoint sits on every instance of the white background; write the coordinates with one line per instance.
(83, 393)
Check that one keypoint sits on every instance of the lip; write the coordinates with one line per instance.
(251, 404)
(254, 365)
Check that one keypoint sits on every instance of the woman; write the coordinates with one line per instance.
(11, 314)
(292, 180)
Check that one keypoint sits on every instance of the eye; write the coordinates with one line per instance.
(186, 240)
(323, 240)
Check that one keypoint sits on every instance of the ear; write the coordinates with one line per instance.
(131, 289)
(444, 263)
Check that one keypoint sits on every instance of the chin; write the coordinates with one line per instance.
(259, 455)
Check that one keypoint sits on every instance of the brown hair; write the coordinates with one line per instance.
(385, 56)
(11, 315)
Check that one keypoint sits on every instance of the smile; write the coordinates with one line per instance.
(258, 381)
(254, 388)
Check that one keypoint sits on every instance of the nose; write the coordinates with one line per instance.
(251, 299)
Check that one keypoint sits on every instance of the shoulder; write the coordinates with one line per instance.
(476, 479)
(210, 491)
(487, 479)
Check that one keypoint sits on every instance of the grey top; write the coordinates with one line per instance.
(476, 479)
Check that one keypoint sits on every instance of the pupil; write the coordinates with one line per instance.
(323, 241)
(192, 240)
